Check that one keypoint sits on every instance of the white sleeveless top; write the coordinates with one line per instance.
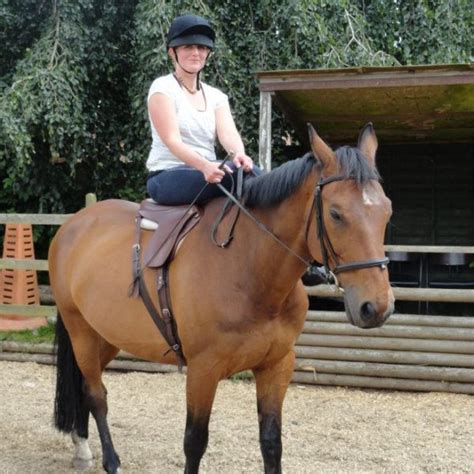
(197, 128)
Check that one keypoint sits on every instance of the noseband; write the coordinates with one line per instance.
(327, 249)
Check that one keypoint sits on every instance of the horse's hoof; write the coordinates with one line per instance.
(81, 464)
(118, 470)
(112, 468)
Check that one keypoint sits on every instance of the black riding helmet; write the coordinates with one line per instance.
(190, 29)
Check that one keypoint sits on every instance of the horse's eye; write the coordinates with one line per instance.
(335, 215)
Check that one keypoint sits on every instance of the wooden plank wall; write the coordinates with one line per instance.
(410, 352)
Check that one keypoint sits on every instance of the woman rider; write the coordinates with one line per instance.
(186, 116)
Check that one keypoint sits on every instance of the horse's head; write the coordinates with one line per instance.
(347, 235)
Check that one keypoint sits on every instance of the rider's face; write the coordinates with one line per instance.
(191, 57)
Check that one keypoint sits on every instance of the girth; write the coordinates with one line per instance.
(164, 321)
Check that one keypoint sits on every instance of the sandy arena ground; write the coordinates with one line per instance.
(326, 430)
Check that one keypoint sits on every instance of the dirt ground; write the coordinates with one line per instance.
(326, 430)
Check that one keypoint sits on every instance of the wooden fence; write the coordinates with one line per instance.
(38, 265)
(411, 352)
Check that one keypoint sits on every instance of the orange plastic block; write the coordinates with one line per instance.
(19, 286)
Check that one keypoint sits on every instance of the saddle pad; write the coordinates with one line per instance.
(173, 224)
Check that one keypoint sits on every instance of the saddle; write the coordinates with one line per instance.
(170, 225)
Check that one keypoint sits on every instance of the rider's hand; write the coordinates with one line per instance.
(211, 171)
(240, 159)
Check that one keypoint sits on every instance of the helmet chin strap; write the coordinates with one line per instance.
(198, 86)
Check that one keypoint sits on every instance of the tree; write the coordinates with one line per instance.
(75, 75)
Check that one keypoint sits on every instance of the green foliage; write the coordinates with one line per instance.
(75, 73)
(36, 336)
(423, 31)
(63, 112)
(18, 32)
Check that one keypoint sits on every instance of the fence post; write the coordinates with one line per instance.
(91, 198)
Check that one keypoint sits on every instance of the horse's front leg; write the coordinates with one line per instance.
(201, 385)
(272, 383)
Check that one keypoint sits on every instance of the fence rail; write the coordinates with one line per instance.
(35, 219)
(21, 264)
(406, 294)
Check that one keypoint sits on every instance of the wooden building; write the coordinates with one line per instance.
(424, 120)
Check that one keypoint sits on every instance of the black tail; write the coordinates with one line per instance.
(69, 382)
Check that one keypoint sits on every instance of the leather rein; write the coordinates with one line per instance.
(327, 249)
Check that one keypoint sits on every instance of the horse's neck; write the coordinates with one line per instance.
(275, 269)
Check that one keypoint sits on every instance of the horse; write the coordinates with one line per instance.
(237, 308)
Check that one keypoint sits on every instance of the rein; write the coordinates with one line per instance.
(237, 189)
(327, 249)
(261, 225)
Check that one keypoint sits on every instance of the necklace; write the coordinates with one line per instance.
(182, 84)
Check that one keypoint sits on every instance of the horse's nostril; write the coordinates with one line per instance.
(367, 311)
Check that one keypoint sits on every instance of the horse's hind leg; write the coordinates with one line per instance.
(96, 397)
(91, 354)
(71, 412)
(83, 457)
(272, 382)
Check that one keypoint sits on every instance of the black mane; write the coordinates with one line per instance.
(272, 188)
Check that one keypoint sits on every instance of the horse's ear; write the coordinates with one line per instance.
(368, 143)
(322, 151)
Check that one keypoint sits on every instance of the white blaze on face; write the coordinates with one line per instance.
(370, 196)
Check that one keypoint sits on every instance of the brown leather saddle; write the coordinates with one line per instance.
(170, 226)
(174, 223)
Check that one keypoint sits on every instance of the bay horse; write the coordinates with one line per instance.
(239, 308)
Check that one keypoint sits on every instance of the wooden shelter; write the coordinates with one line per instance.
(409, 104)
(424, 120)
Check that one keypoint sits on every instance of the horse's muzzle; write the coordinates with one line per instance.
(369, 313)
(370, 317)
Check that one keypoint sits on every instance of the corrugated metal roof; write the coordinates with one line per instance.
(432, 103)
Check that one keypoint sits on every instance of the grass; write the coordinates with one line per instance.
(246, 375)
(34, 336)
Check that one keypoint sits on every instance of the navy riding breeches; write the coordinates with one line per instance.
(181, 184)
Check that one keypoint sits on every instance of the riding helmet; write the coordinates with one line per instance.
(190, 29)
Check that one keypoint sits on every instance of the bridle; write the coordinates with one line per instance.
(327, 249)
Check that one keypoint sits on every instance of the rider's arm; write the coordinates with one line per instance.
(230, 138)
(163, 117)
